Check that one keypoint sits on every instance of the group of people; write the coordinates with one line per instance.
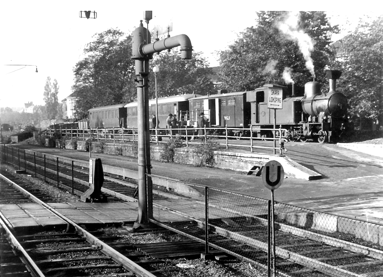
(172, 123)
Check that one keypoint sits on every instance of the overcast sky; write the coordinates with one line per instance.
(50, 35)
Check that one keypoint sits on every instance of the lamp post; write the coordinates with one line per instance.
(156, 70)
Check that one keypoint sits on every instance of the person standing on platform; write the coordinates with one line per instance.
(169, 123)
(201, 122)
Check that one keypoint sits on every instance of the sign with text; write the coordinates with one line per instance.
(275, 98)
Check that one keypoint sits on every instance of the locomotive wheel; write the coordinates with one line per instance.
(321, 137)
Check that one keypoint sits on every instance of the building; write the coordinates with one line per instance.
(69, 106)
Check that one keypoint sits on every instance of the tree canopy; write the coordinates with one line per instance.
(361, 58)
(178, 76)
(279, 40)
(106, 75)
(51, 91)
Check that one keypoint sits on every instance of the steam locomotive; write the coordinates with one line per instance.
(321, 116)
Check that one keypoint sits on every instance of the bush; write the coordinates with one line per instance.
(206, 152)
(73, 143)
(168, 150)
(40, 138)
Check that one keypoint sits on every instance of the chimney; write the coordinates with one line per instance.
(332, 76)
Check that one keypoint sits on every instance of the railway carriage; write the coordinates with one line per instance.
(178, 105)
(108, 116)
(228, 109)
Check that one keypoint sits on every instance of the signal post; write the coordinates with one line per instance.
(142, 52)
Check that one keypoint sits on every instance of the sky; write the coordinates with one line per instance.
(50, 35)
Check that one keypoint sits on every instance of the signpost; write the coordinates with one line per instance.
(275, 101)
(272, 177)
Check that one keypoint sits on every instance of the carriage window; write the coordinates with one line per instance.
(197, 105)
(231, 102)
(223, 101)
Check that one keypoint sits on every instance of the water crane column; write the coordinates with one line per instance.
(142, 51)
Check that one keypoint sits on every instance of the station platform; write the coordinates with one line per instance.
(30, 215)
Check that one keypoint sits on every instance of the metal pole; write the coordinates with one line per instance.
(142, 201)
(269, 239)
(34, 161)
(227, 141)
(251, 139)
(45, 168)
(57, 171)
(25, 160)
(18, 156)
(155, 85)
(149, 187)
(273, 231)
(206, 221)
(72, 178)
(274, 126)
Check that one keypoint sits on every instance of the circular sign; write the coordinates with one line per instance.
(272, 175)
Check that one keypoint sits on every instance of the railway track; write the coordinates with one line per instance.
(68, 250)
(299, 252)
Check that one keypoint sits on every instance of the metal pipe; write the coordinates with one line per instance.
(142, 207)
(168, 43)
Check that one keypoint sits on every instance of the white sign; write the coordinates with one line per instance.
(275, 98)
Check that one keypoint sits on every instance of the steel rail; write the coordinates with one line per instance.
(114, 254)
(283, 253)
(240, 257)
(346, 245)
(25, 258)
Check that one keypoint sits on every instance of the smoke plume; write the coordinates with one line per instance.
(290, 27)
(270, 67)
(287, 75)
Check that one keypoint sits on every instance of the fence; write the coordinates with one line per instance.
(217, 217)
(228, 137)
(301, 239)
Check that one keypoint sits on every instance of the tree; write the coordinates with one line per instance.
(106, 75)
(179, 76)
(262, 53)
(51, 98)
(361, 58)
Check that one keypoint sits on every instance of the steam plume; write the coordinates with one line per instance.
(287, 75)
(270, 67)
(290, 28)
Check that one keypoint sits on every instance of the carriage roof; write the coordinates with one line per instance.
(213, 96)
(107, 107)
(164, 100)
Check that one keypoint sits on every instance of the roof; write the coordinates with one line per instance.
(107, 107)
(170, 99)
(212, 96)
(72, 95)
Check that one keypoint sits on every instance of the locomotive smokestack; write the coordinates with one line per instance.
(292, 90)
(332, 76)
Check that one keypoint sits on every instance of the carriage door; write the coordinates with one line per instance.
(260, 98)
(228, 111)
